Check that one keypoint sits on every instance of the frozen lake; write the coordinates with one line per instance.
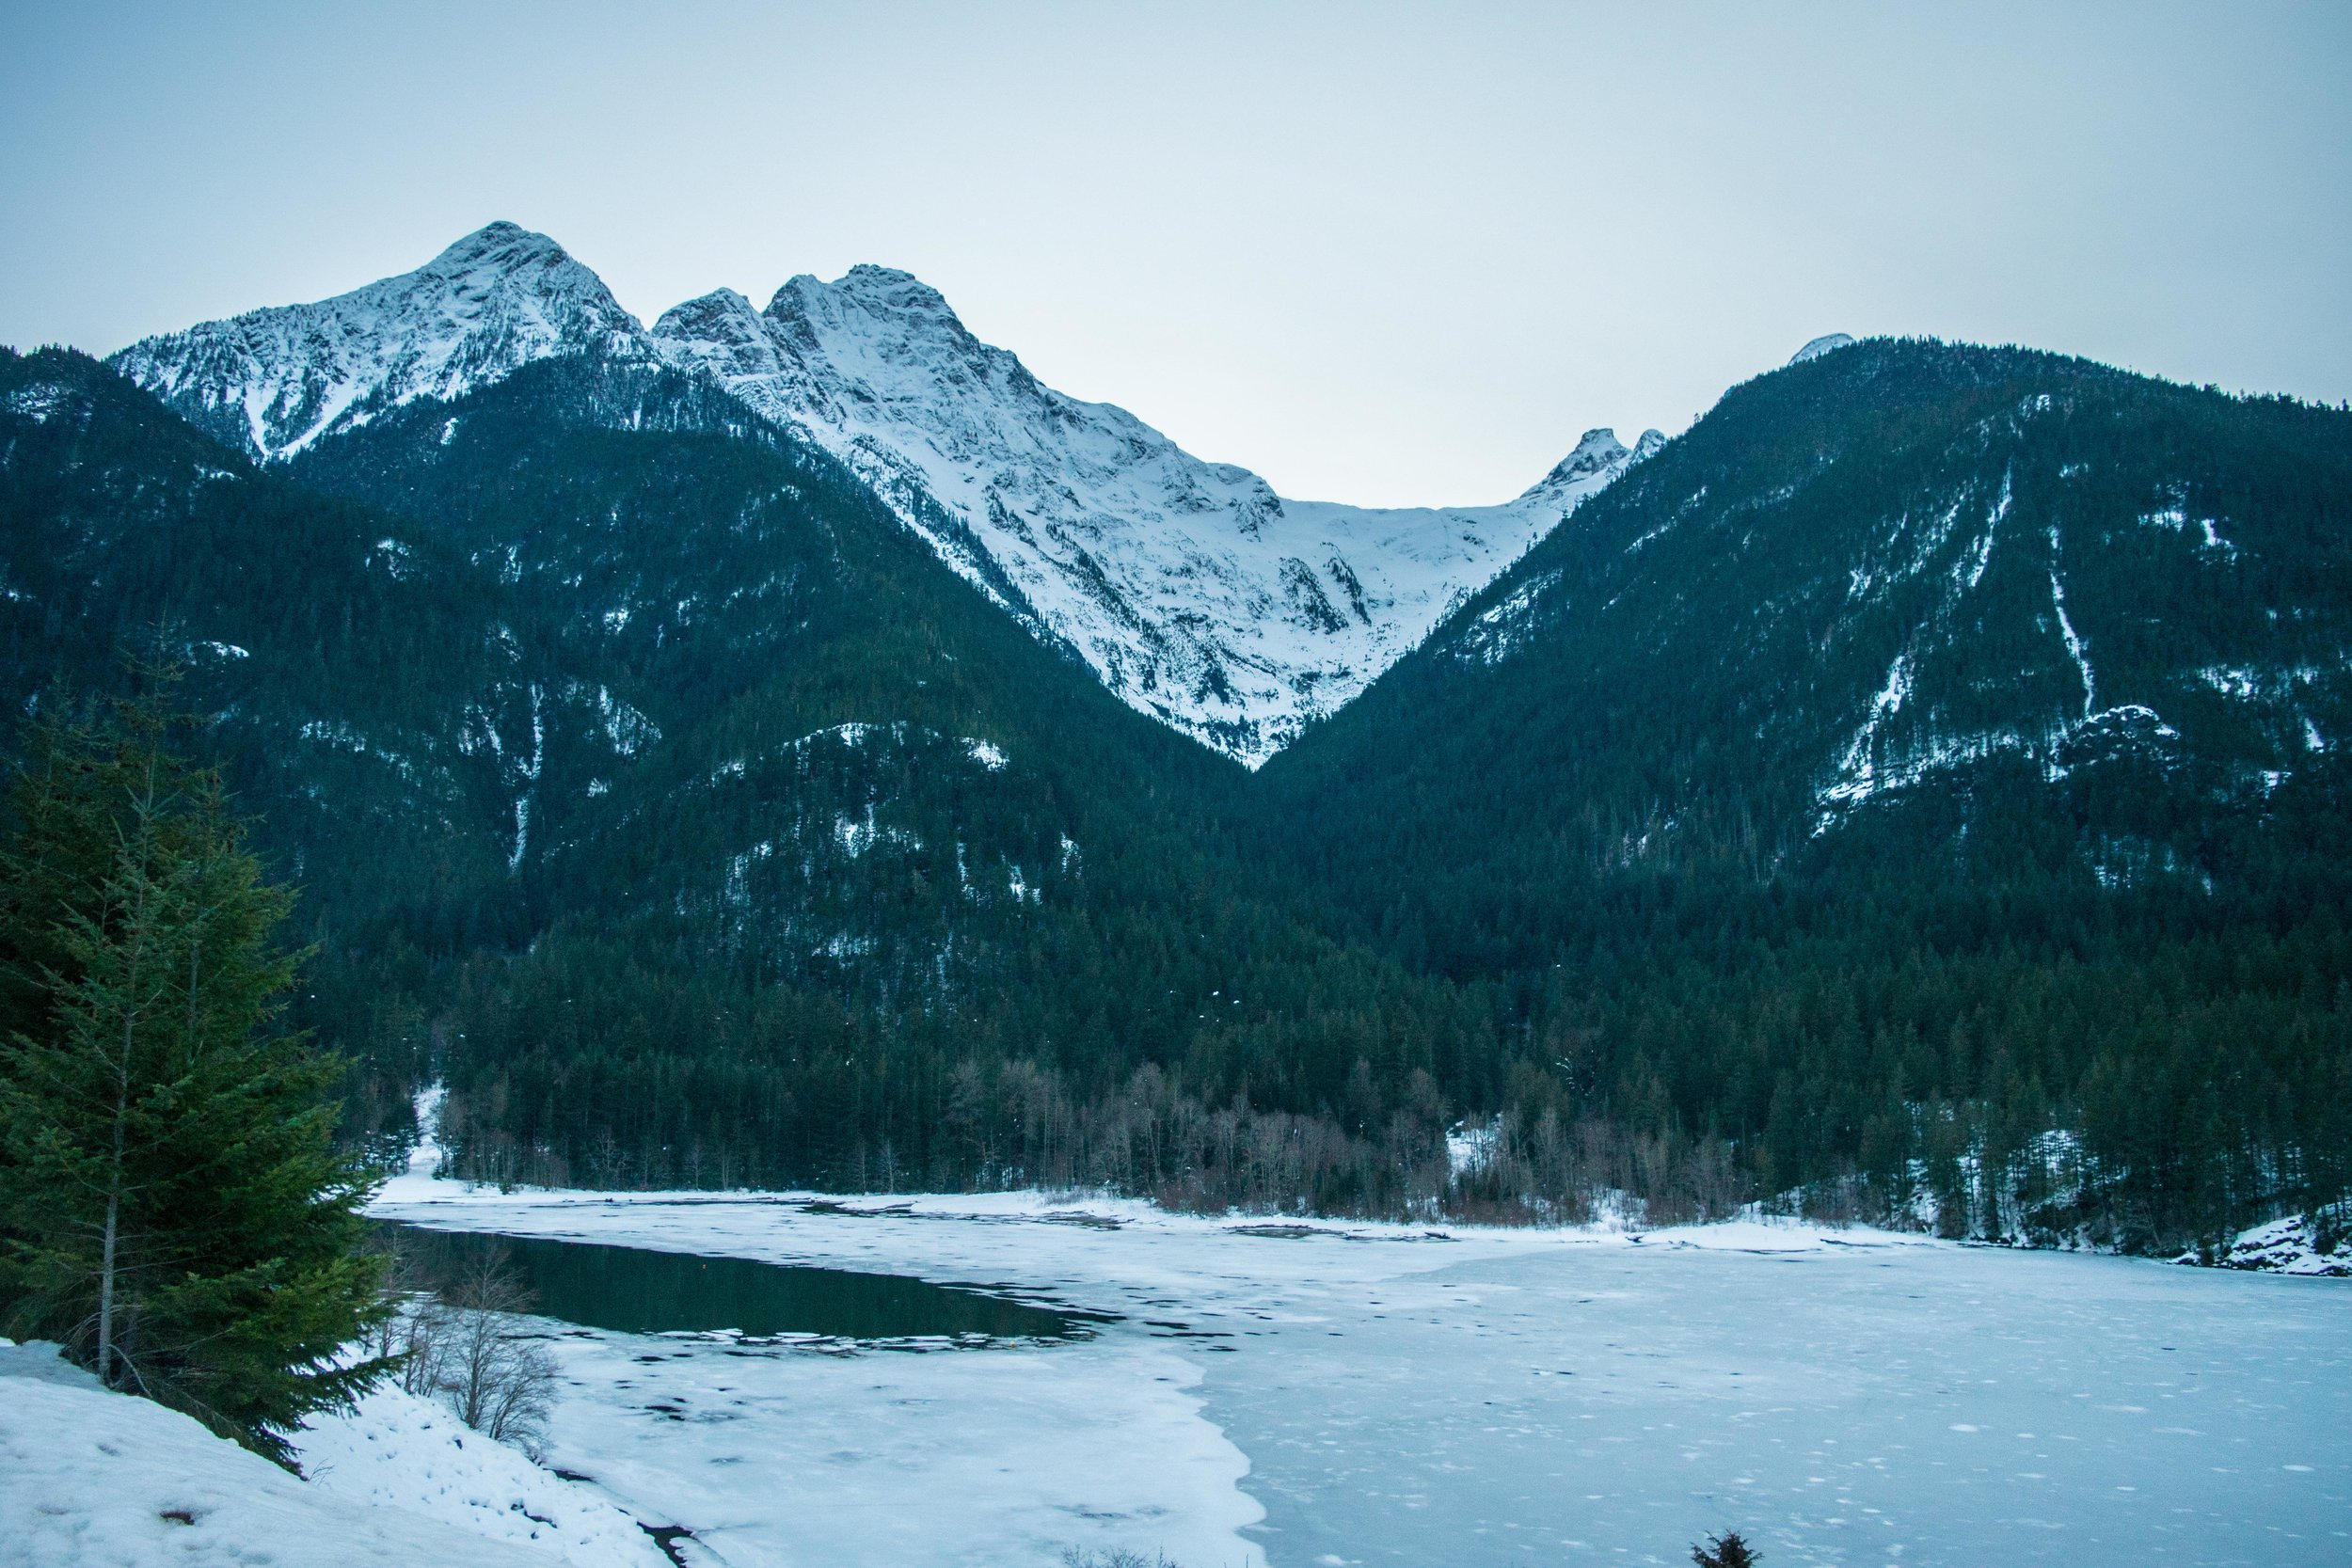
(1378, 1395)
(1843, 1406)
(640, 1291)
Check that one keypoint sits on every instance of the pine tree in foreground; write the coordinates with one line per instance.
(172, 1206)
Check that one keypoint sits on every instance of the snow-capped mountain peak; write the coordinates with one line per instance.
(881, 290)
(729, 330)
(1597, 453)
(493, 251)
(1192, 590)
(276, 380)
(1196, 592)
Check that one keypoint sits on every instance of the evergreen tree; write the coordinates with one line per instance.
(172, 1206)
(1724, 1551)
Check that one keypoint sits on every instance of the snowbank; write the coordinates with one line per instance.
(399, 1451)
(90, 1479)
(2289, 1245)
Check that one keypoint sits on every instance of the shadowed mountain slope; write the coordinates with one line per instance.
(656, 786)
(1930, 735)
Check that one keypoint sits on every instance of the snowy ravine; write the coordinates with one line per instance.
(1194, 593)
(1322, 1395)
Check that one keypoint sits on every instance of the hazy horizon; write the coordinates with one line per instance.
(1391, 256)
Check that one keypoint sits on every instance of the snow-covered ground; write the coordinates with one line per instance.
(404, 1452)
(94, 1480)
(1330, 1395)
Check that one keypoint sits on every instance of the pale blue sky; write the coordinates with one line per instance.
(1382, 254)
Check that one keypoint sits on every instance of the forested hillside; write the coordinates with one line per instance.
(1925, 775)
(1914, 793)
(696, 824)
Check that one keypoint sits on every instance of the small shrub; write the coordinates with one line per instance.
(1117, 1557)
(459, 1344)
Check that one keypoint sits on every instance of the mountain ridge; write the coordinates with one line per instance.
(1191, 590)
(674, 799)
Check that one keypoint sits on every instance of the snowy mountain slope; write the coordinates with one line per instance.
(1194, 593)
(274, 381)
(1972, 588)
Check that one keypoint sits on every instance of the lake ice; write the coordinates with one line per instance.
(1330, 1394)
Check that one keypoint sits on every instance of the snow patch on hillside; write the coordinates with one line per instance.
(1883, 756)
(42, 401)
(1827, 343)
(2290, 1245)
(1508, 625)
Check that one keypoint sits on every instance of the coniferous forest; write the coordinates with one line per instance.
(1915, 795)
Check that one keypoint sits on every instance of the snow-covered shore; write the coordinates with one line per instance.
(1331, 1394)
(2289, 1245)
(1292, 1394)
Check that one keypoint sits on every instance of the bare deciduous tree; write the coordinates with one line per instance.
(461, 1344)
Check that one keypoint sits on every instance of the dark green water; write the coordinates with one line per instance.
(634, 1290)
